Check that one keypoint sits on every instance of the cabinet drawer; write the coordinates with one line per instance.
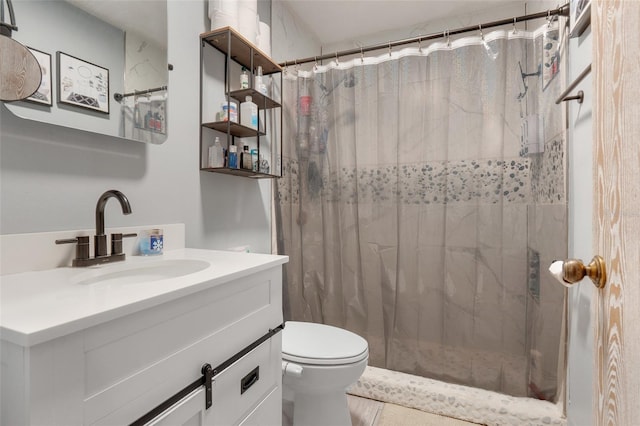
(239, 389)
(187, 412)
(268, 412)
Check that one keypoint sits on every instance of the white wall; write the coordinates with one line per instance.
(298, 42)
(508, 10)
(293, 40)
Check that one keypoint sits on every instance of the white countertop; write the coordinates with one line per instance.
(39, 306)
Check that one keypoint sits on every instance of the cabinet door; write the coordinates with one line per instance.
(189, 411)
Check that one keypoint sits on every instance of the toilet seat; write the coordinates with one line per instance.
(320, 344)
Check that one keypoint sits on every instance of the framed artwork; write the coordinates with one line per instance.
(43, 95)
(82, 84)
(579, 16)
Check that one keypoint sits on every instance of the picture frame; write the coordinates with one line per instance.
(82, 83)
(44, 94)
(579, 17)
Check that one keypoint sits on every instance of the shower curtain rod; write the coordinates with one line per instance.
(119, 96)
(560, 11)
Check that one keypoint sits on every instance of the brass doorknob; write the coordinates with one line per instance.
(573, 271)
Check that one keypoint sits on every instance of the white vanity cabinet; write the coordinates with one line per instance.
(115, 372)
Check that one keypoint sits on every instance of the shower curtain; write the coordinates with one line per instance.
(408, 200)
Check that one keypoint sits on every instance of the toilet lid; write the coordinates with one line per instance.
(321, 344)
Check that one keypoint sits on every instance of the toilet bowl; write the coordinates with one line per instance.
(319, 363)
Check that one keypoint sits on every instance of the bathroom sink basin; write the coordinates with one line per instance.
(149, 271)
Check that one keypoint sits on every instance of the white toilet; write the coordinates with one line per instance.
(319, 363)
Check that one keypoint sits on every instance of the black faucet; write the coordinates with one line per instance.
(100, 239)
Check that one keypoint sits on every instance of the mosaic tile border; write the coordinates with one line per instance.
(483, 181)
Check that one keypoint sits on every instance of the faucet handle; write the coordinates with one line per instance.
(116, 241)
(82, 247)
(67, 241)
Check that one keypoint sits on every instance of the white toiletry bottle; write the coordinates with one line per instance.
(216, 155)
(260, 85)
(249, 113)
(244, 79)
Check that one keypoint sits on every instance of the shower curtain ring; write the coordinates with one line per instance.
(420, 44)
(315, 63)
(337, 61)
(549, 18)
(389, 48)
(481, 34)
(448, 38)
(361, 55)
(515, 30)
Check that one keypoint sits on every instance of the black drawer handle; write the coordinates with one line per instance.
(249, 380)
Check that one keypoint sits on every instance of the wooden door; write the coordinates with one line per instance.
(616, 61)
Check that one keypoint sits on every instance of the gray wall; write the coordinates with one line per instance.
(51, 177)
